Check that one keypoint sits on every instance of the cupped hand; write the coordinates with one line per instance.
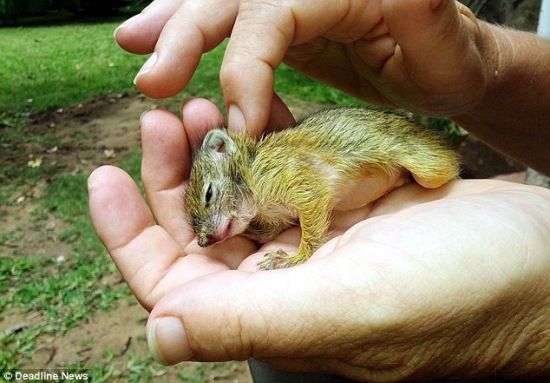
(154, 246)
(422, 284)
(429, 56)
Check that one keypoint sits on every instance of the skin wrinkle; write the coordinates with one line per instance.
(510, 59)
(530, 345)
(147, 298)
(143, 228)
(344, 7)
(431, 95)
(264, 324)
(232, 70)
(504, 347)
(371, 77)
(458, 350)
(346, 14)
(294, 26)
(335, 33)
(314, 347)
(282, 29)
(296, 54)
(481, 325)
(206, 43)
(388, 42)
(200, 39)
(380, 29)
(539, 345)
(507, 342)
(306, 365)
(245, 345)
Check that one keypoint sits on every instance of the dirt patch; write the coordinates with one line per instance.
(119, 331)
(115, 338)
(90, 135)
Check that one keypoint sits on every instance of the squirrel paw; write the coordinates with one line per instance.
(278, 259)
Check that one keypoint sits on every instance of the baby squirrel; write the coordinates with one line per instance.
(335, 159)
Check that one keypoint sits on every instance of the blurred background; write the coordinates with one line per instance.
(67, 106)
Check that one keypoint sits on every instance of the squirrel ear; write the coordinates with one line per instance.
(219, 141)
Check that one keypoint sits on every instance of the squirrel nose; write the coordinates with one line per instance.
(206, 240)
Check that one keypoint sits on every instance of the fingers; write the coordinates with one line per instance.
(259, 39)
(123, 222)
(115, 198)
(140, 33)
(165, 167)
(199, 116)
(263, 32)
(195, 27)
(150, 261)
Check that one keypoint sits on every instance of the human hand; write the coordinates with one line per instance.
(429, 56)
(435, 283)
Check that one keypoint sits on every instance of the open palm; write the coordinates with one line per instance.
(387, 297)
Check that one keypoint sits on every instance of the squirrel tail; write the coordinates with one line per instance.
(431, 165)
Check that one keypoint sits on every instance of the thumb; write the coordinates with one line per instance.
(426, 35)
(235, 315)
(438, 44)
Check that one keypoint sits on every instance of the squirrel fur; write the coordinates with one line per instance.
(329, 161)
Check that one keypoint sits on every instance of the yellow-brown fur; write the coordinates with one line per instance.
(301, 174)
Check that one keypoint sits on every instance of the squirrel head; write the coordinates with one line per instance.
(219, 200)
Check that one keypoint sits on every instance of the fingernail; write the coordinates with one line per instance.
(236, 119)
(126, 23)
(91, 182)
(150, 63)
(167, 341)
(142, 115)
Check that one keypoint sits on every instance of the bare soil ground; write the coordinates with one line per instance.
(106, 131)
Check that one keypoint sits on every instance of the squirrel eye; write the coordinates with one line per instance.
(208, 195)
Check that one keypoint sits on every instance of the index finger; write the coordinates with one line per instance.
(196, 27)
(263, 32)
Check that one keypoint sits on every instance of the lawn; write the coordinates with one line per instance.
(47, 67)
(46, 73)
(60, 66)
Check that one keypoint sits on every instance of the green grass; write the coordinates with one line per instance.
(68, 292)
(59, 66)
(46, 67)
(27, 282)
